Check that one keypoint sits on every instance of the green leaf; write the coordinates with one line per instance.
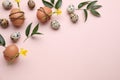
(47, 4)
(58, 4)
(2, 41)
(91, 4)
(95, 13)
(27, 32)
(52, 1)
(35, 29)
(86, 14)
(82, 4)
(96, 7)
(38, 33)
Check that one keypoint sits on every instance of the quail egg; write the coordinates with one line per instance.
(15, 36)
(4, 23)
(31, 4)
(71, 9)
(7, 4)
(55, 25)
(74, 17)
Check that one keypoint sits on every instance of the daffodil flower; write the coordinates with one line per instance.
(23, 51)
(58, 11)
(18, 1)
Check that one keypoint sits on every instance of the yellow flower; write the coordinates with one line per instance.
(23, 52)
(18, 1)
(58, 11)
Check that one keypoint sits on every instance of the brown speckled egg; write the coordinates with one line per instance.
(17, 17)
(11, 53)
(44, 14)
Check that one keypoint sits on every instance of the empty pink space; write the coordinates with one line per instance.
(83, 51)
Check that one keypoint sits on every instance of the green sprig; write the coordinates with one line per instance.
(34, 31)
(2, 41)
(52, 3)
(90, 6)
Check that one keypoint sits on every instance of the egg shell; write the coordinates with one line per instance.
(15, 36)
(31, 4)
(4, 23)
(10, 52)
(17, 17)
(71, 9)
(55, 25)
(7, 4)
(44, 14)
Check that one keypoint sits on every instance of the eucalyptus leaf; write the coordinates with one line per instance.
(82, 4)
(2, 41)
(58, 4)
(27, 32)
(47, 4)
(95, 13)
(86, 14)
(35, 29)
(96, 7)
(91, 4)
(52, 1)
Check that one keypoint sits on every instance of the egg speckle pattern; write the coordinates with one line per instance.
(7, 4)
(55, 25)
(71, 9)
(4, 23)
(15, 36)
(74, 17)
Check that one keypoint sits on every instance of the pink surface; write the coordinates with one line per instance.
(82, 51)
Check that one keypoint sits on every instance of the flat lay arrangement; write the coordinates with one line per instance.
(43, 14)
(59, 40)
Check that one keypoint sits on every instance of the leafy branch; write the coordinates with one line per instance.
(52, 3)
(34, 31)
(2, 41)
(90, 6)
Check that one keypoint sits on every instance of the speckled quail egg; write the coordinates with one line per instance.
(71, 9)
(55, 25)
(15, 36)
(31, 4)
(74, 17)
(4, 23)
(7, 4)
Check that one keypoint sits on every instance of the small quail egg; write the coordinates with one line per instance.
(74, 17)
(15, 36)
(31, 4)
(4, 23)
(55, 25)
(71, 9)
(7, 4)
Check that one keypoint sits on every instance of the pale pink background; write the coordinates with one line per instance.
(82, 51)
